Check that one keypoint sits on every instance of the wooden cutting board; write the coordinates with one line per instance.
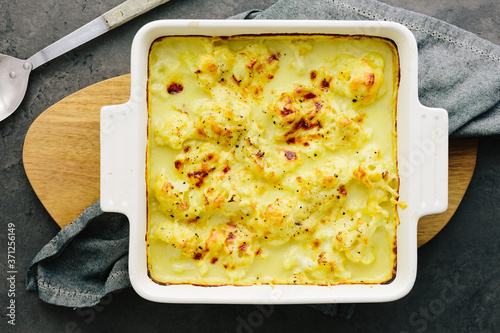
(61, 156)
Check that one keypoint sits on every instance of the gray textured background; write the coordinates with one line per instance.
(458, 283)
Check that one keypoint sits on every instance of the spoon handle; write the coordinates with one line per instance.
(107, 21)
(129, 10)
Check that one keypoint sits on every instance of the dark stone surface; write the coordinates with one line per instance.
(458, 282)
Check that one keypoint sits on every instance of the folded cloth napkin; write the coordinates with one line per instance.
(458, 71)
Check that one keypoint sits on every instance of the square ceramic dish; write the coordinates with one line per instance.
(422, 150)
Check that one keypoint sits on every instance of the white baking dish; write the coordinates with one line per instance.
(422, 159)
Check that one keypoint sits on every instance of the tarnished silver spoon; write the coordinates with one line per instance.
(14, 73)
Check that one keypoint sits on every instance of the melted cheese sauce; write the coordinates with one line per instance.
(272, 159)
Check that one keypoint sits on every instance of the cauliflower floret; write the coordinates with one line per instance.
(174, 129)
(359, 79)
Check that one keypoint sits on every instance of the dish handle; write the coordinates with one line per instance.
(116, 164)
(432, 153)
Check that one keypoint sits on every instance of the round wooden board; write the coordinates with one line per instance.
(61, 156)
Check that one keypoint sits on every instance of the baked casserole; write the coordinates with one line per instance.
(272, 160)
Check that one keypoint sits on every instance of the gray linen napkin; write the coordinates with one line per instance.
(458, 71)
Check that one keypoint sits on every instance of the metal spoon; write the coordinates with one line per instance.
(14, 73)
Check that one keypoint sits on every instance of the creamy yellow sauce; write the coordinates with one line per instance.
(272, 159)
